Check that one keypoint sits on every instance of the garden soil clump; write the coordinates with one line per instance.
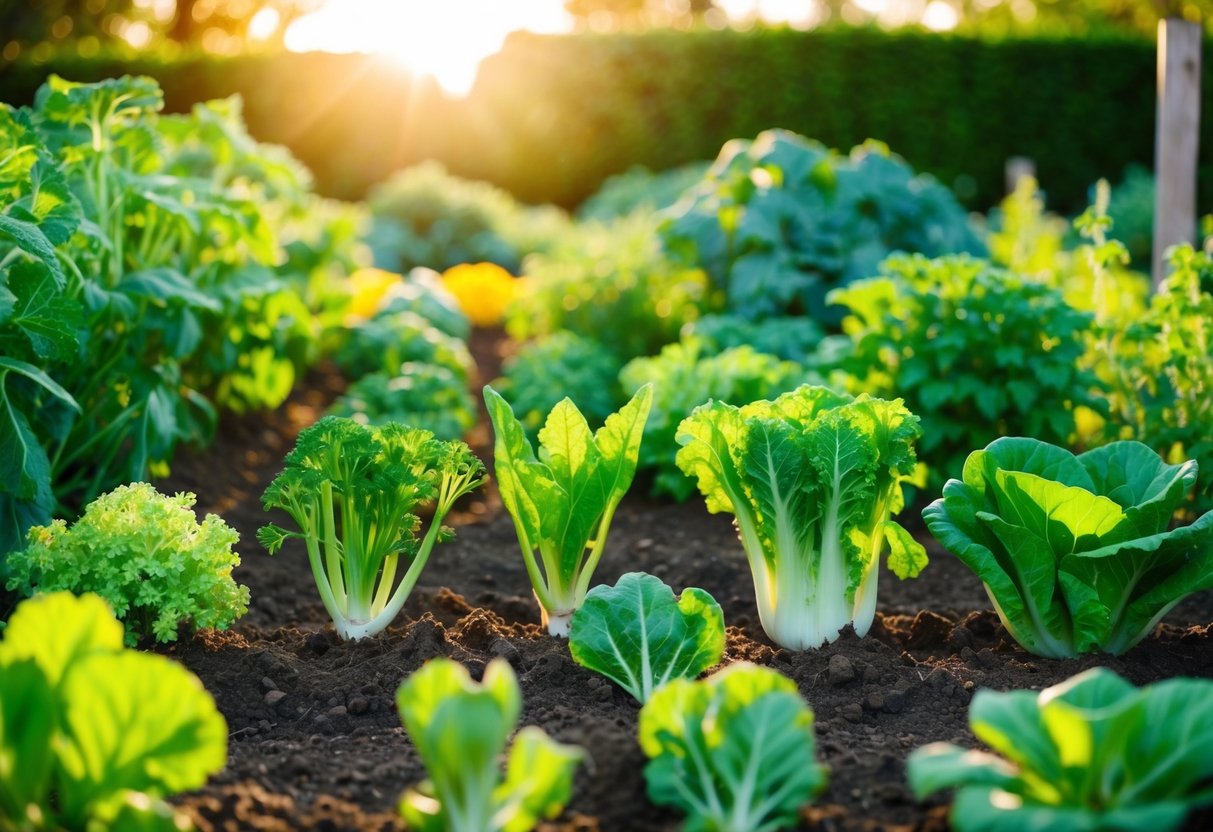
(316, 742)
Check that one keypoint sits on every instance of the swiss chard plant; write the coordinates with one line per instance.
(1077, 553)
(979, 352)
(563, 498)
(147, 555)
(353, 490)
(460, 728)
(93, 736)
(1093, 753)
(640, 635)
(734, 752)
(779, 221)
(687, 374)
(813, 479)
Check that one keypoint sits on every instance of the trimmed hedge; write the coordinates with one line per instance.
(552, 116)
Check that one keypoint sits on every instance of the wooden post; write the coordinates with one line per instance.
(1177, 138)
(1016, 168)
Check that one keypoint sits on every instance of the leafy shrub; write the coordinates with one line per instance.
(562, 499)
(639, 191)
(390, 339)
(780, 220)
(93, 736)
(1076, 553)
(353, 492)
(792, 338)
(610, 283)
(424, 216)
(1091, 753)
(548, 369)
(426, 396)
(735, 751)
(144, 553)
(640, 636)
(1131, 208)
(460, 729)
(685, 376)
(812, 479)
(978, 351)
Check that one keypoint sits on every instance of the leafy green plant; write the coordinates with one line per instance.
(612, 283)
(353, 491)
(387, 340)
(978, 351)
(422, 292)
(812, 479)
(93, 736)
(640, 191)
(147, 555)
(426, 396)
(460, 729)
(1092, 753)
(792, 339)
(779, 221)
(684, 376)
(734, 752)
(551, 367)
(640, 636)
(563, 499)
(1076, 552)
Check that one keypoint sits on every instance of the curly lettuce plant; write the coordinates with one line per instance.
(1077, 553)
(147, 555)
(427, 396)
(94, 736)
(734, 752)
(812, 479)
(460, 729)
(640, 635)
(563, 498)
(354, 490)
(1093, 753)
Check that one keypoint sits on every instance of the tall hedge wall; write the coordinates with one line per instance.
(552, 116)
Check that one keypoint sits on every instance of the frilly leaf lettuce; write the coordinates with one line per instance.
(562, 500)
(93, 736)
(640, 636)
(734, 752)
(1092, 753)
(812, 479)
(1076, 552)
(460, 729)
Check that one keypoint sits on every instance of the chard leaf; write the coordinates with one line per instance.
(28, 237)
(42, 313)
(538, 780)
(618, 443)
(1030, 456)
(28, 724)
(576, 496)
(518, 472)
(1065, 518)
(907, 557)
(640, 636)
(941, 765)
(60, 630)
(1137, 478)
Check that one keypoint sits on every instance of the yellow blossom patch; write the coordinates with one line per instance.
(484, 291)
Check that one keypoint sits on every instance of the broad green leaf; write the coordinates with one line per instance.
(1030, 456)
(133, 811)
(618, 443)
(1066, 518)
(1137, 478)
(577, 497)
(941, 765)
(515, 467)
(538, 780)
(28, 237)
(28, 723)
(907, 557)
(45, 316)
(639, 635)
(58, 630)
(114, 741)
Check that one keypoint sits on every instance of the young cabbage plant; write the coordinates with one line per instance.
(353, 490)
(94, 736)
(562, 500)
(735, 751)
(1092, 753)
(460, 729)
(812, 479)
(1076, 552)
(640, 635)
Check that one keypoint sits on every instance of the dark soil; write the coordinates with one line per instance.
(316, 742)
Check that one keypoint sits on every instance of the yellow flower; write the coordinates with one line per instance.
(367, 288)
(483, 290)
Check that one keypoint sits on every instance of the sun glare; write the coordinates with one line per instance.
(445, 40)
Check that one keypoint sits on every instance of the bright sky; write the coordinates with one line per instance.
(447, 39)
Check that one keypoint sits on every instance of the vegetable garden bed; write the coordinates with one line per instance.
(316, 743)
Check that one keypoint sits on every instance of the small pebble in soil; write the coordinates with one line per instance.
(840, 671)
(273, 697)
(894, 702)
(268, 684)
(852, 712)
(358, 705)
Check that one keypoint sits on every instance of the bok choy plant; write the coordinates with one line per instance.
(460, 729)
(1090, 754)
(812, 479)
(1077, 553)
(562, 500)
(353, 490)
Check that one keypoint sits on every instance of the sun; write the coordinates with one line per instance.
(445, 40)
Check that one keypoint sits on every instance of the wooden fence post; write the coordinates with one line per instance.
(1177, 138)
